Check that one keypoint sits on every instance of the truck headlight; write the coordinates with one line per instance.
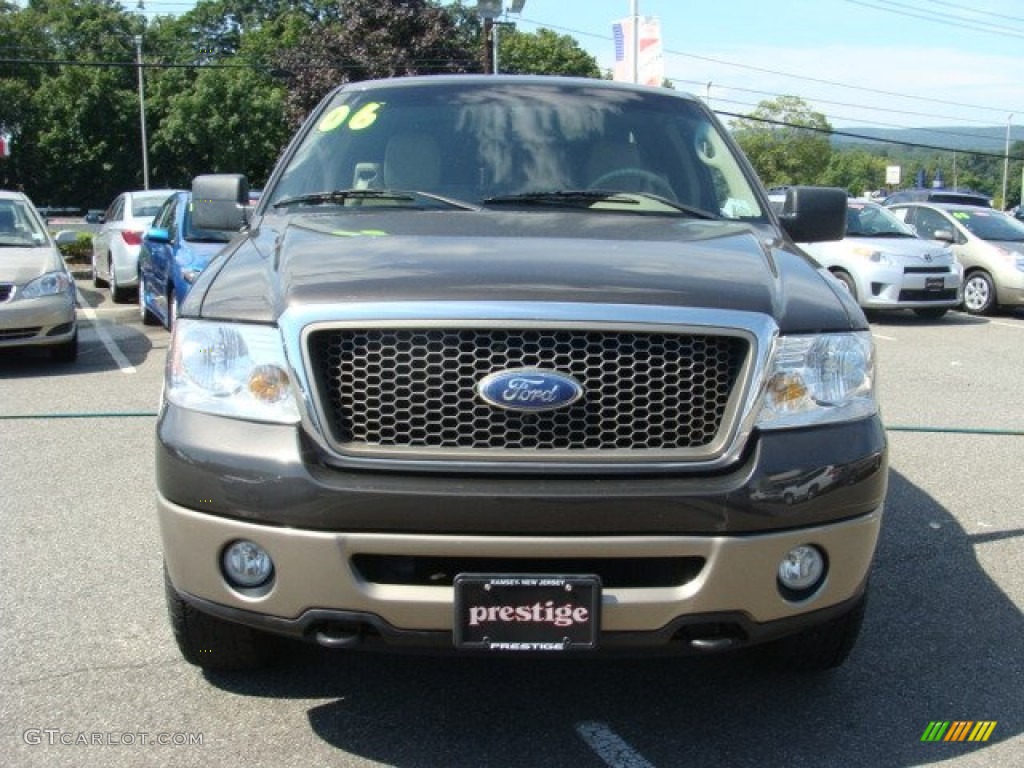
(230, 369)
(819, 379)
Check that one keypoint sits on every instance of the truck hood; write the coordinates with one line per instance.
(568, 256)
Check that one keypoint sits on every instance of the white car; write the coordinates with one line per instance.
(885, 265)
(37, 293)
(115, 248)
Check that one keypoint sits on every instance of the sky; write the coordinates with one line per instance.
(877, 63)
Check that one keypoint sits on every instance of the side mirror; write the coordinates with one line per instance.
(944, 235)
(158, 235)
(220, 201)
(814, 214)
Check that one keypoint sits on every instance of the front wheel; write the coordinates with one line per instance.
(979, 294)
(215, 644)
(66, 352)
(821, 648)
(97, 281)
(118, 293)
(145, 314)
(172, 309)
(847, 280)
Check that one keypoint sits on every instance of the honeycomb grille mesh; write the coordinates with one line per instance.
(412, 388)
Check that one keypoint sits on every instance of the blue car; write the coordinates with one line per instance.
(172, 256)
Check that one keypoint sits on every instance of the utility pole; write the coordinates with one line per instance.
(142, 98)
(1006, 161)
(636, 41)
(489, 10)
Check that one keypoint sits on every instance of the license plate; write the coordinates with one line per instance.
(934, 283)
(526, 612)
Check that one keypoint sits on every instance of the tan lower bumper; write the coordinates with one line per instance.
(313, 571)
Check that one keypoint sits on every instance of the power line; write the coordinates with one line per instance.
(849, 134)
(765, 70)
(937, 18)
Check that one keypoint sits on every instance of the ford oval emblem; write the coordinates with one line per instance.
(529, 389)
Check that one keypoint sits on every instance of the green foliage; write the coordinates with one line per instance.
(786, 141)
(856, 171)
(79, 251)
(544, 53)
(379, 39)
(227, 82)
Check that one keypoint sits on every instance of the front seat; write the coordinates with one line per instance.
(412, 161)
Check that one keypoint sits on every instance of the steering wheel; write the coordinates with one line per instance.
(650, 182)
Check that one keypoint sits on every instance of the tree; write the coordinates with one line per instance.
(72, 125)
(220, 107)
(544, 53)
(855, 170)
(786, 141)
(367, 39)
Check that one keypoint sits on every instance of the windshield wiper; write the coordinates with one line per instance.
(878, 234)
(561, 197)
(587, 198)
(391, 195)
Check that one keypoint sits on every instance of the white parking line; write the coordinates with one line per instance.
(1018, 326)
(108, 342)
(886, 338)
(610, 747)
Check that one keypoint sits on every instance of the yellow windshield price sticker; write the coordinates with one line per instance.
(361, 119)
(360, 233)
(365, 116)
(334, 118)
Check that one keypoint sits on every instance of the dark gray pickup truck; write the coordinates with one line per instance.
(528, 365)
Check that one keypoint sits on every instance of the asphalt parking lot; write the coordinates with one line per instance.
(92, 677)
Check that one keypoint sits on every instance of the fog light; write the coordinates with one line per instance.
(802, 568)
(247, 564)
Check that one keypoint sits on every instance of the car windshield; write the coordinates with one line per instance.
(19, 228)
(147, 206)
(533, 145)
(871, 220)
(990, 225)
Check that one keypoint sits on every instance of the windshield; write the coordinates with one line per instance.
(480, 143)
(990, 225)
(19, 227)
(149, 205)
(871, 220)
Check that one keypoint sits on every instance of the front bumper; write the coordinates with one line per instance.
(888, 287)
(44, 321)
(350, 548)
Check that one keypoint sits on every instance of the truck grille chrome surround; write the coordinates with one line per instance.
(396, 382)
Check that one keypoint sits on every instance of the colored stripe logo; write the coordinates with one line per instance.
(958, 730)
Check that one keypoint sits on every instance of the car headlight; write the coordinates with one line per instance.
(230, 369)
(820, 379)
(50, 284)
(871, 254)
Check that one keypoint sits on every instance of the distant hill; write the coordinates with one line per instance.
(983, 139)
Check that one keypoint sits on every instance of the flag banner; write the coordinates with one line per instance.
(650, 65)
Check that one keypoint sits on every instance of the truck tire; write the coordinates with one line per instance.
(821, 648)
(212, 643)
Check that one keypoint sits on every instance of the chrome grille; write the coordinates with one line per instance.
(408, 388)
